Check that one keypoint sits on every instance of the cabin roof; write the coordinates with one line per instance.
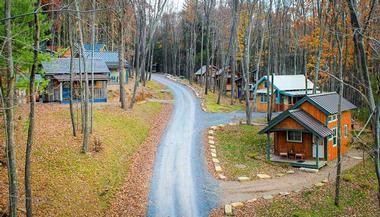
(62, 66)
(110, 58)
(327, 102)
(77, 77)
(303, 118)
(202, 70)
(288, 82)
(98, 46)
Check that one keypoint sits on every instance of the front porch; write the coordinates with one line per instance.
(307, 163)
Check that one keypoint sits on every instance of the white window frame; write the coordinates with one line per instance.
(290, 140)
(345, 131)
(335, 135)
(263, 97)
(333, 118)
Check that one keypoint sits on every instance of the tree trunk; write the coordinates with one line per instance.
(32, 99)
(71, 77)
(9, 109)
(92, 65)
(121, 59)
(319, 53)
(86, 89)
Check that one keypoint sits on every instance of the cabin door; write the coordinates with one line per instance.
(321, 148)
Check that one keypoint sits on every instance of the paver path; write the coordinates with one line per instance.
(242, 191)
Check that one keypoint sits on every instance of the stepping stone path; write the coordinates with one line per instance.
(319, 184)
(228, 210)
(290, 172)
(237, 204)
(240, 166)
(243, 179)
(263, 176)
(218, 168)
(284, 193)
(252, 200)
(215, 160)
(268, 197)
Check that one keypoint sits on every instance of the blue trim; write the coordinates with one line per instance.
(76, 101)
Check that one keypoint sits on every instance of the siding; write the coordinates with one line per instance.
(281, 145)
(314, 111)
(289, 123)
(332, 151)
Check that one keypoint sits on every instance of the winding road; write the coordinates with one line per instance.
(181, 184)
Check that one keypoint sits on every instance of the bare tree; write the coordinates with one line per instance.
(71, 77)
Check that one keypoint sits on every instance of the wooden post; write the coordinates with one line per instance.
(317, 152)
(267, 149)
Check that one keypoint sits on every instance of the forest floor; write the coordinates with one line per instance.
(66, 182)
(358, 198)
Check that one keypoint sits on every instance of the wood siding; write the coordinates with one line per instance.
(289, 123)
(314, 111)
(282, 145)
(331, 150)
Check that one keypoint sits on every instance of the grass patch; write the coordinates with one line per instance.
(358, 198)
(160, 91)
(224, 106)
(66, 182)
(242, 152)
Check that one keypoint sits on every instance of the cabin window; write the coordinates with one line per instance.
(265, 84)
(345, 131)
(264, 99)
(332, 118)
(294, 136)
(334, 136)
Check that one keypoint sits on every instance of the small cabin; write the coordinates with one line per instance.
(57, 72)
(287, 91)
(112, 61)
(200, 74)
(306, 134)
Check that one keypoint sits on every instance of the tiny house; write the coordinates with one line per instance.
(200, 74)
(57, 72)
(287, 90)
(306, 134)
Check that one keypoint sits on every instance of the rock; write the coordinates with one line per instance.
(214, 127)
(232, 124)
(252, 200)
(237, 204)
(284, 193)
(212, 146)
(228, 210)
(222, 177)
(212, 142)
(240, 166)
(213, 155)
(319, 184)
(215, 160)
(221, 125)
(309, 170)
(218, 168)
(357, 158)
(210, 132)
(243, 179)
(325, 181)
(268, 197)
(280, 174)
(290, 172)
(213, 150)
(263, 176)
(297, 191)
(211, 137)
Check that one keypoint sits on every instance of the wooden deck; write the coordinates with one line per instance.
(295, 163)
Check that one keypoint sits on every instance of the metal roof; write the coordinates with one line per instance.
(66, 77)
(298, 92)
(329, 102)
(110, 58)
(62, 66)
(289, 82)
(303, 118)
(310, 122)
(98, 46)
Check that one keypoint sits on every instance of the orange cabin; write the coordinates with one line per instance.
(310, 127)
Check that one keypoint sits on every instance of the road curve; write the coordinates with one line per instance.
(181, 184)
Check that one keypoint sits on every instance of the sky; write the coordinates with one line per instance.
(177, 4)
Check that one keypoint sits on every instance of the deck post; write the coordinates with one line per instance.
(267, 149)
(317, 152)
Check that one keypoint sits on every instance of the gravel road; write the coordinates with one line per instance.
(181, 184)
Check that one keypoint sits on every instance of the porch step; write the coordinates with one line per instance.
(309, 170)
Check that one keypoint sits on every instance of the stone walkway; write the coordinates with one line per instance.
(234, 191)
